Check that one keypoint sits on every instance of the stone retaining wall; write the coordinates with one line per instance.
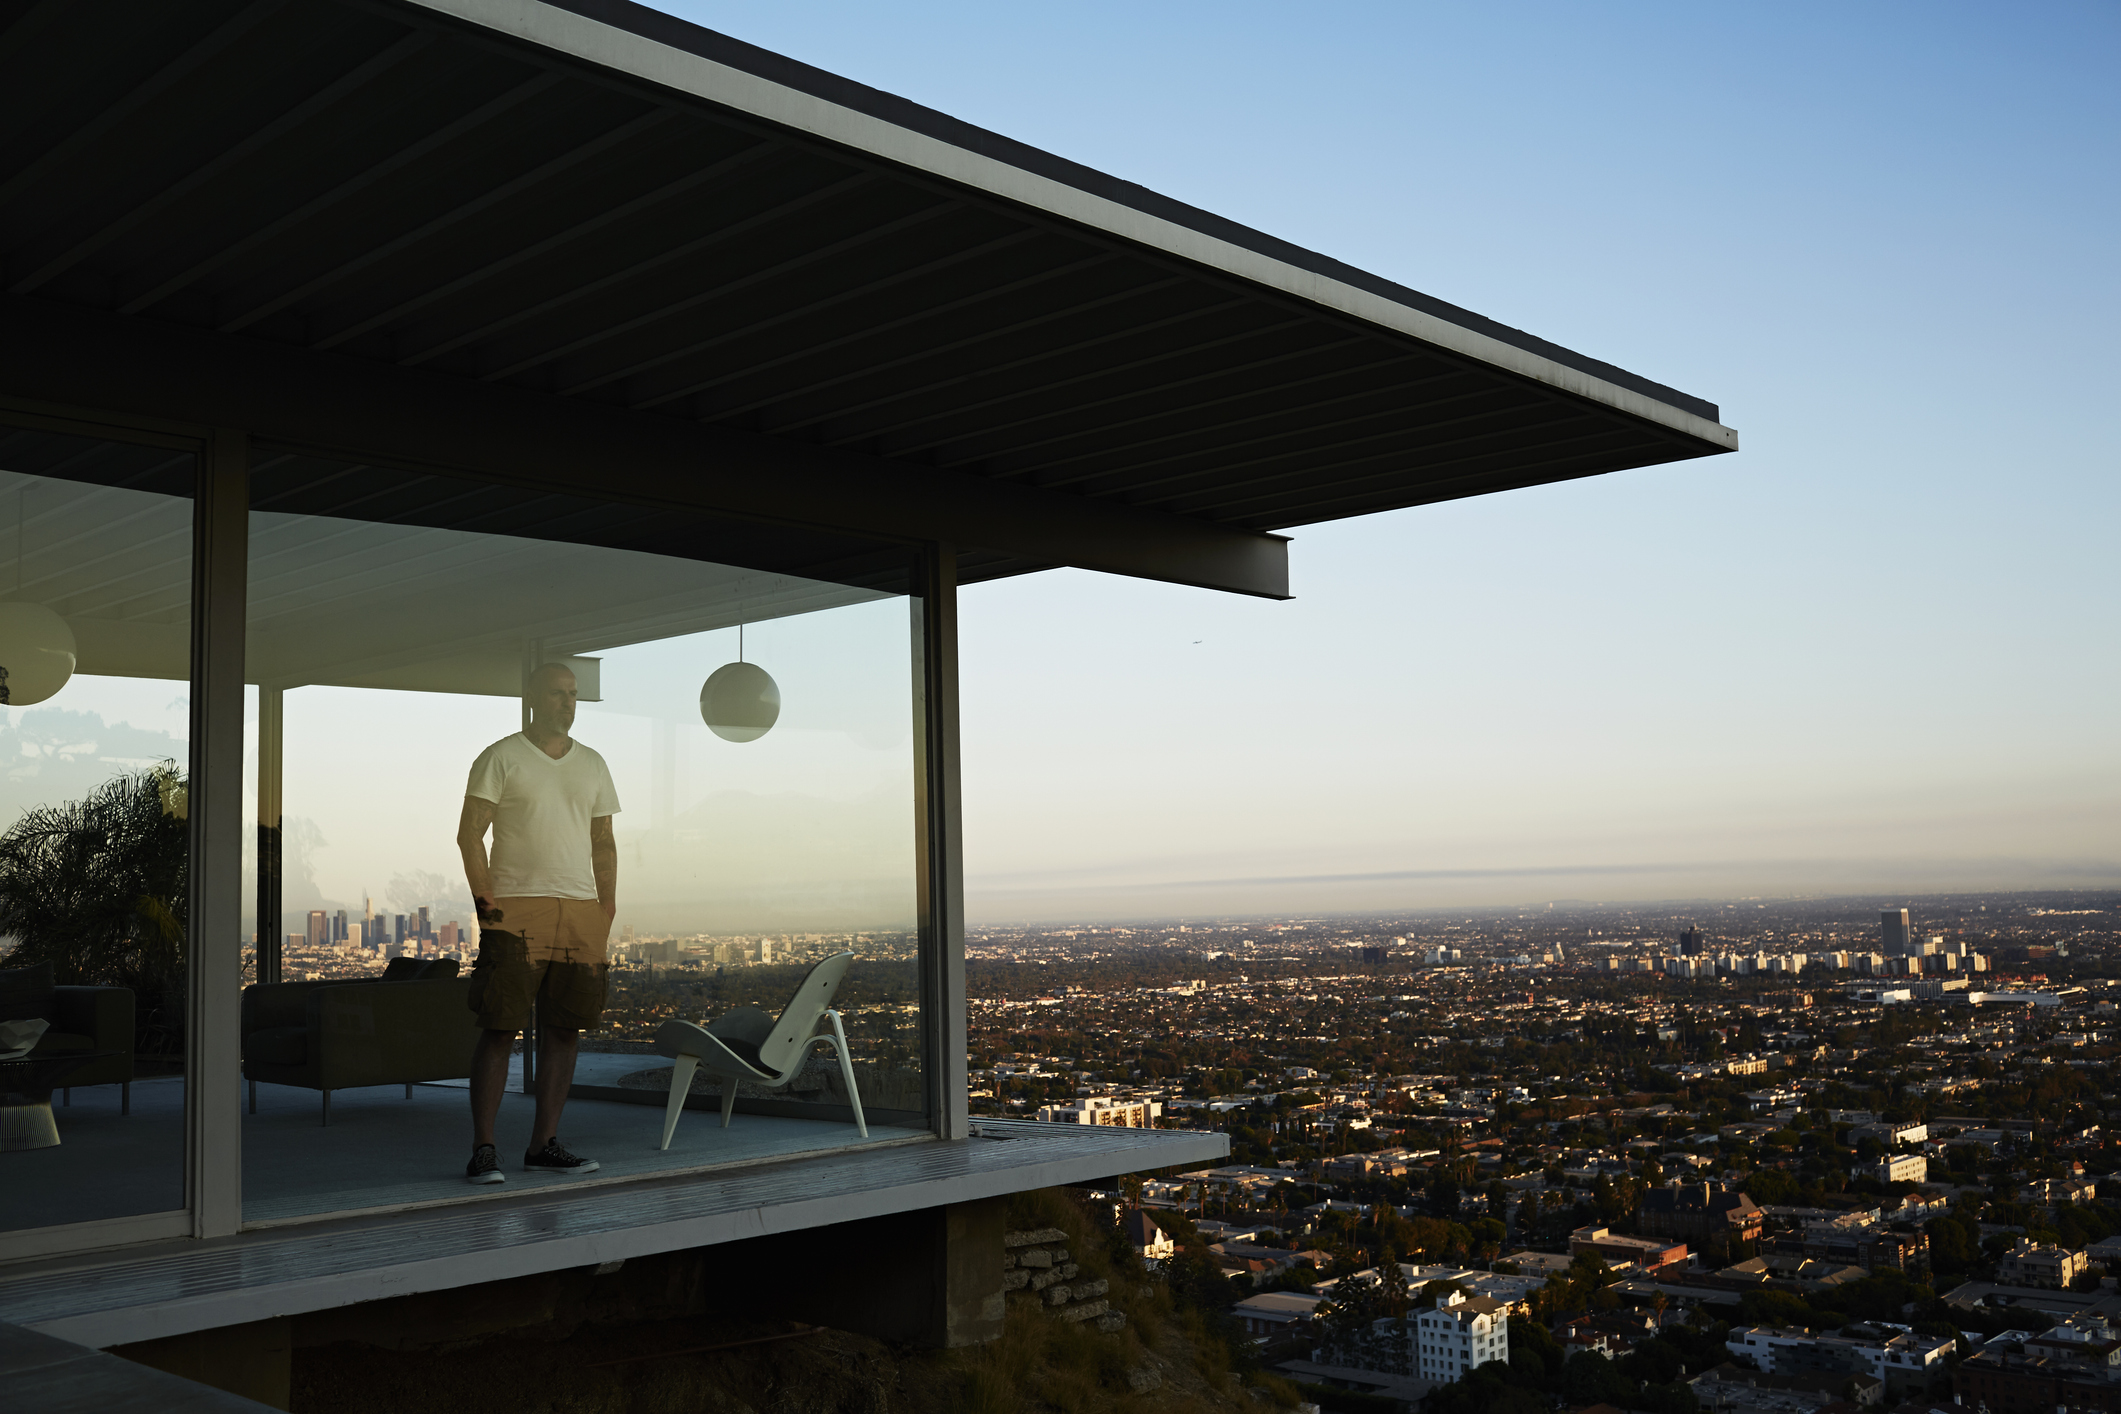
(1036, 1264)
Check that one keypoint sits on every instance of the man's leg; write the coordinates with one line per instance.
(555, 1074)
(489, 1077)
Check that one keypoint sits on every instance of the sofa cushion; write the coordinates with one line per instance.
(59, 1043)
(25, 992)
(282, 1045)
(439, 969)
(402, 969)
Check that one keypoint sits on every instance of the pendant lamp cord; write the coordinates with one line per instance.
(21, 514)
(739, 638)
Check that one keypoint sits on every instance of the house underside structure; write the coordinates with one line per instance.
(359, 356)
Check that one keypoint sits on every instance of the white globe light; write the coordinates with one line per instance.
(36, 653)
(740, 702)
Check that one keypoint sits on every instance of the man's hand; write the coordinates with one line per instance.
(483, 906)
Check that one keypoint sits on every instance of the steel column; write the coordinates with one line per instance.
(213, 1054)
(940, 848)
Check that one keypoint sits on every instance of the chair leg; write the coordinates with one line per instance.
(854, 1096)
(327, 1110)
(253, 1097)
(729, 1084)
(125, 1097)
(681, 1071)
(408, 1089)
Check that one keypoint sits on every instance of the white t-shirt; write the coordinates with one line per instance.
(541, 814)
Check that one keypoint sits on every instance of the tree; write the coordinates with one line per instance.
(99, 888)
(1590, 1378)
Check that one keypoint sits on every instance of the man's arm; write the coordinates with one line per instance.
(471, 843)
(604, 857)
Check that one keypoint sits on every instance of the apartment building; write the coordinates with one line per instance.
(1104, 1109)
(2075, 1365)
(1901, 1168)
(1649, 1254)
(1892, 1134)
(2040, 1264)
(1712, 1216)
(1459, 1334)
(1901, 1359)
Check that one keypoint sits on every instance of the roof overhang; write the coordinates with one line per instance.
(587, 244)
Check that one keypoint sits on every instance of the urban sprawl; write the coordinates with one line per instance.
(1751, 1156)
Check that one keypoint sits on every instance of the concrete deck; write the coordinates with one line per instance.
(170, 1288)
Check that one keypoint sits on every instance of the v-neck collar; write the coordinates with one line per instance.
(555, 760)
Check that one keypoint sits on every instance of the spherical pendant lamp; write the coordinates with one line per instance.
(36, 654)
(740, 701)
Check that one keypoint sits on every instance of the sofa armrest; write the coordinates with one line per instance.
(103, 1013)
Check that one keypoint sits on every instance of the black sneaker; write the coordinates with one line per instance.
(485, 1166)
(553, 1159)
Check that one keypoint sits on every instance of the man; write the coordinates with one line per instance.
(545, 903)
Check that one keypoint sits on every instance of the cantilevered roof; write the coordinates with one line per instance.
(593, 202)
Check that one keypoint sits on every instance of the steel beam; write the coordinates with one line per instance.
(421, 421)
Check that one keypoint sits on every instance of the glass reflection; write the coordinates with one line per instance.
(95, 598)
(505, 845)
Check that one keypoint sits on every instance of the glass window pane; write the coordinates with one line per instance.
(395, 623)
(95, 641)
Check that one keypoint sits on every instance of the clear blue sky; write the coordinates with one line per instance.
(1876, 650)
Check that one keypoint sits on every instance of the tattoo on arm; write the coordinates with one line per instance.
(604, 857)
(471, 844)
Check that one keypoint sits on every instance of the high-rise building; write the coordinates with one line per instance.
(397, 934)
(427, 929)
(1899, 933)
(339, 926)
(319, 929)
(1690, 943)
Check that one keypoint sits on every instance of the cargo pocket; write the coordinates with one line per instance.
(499, 954)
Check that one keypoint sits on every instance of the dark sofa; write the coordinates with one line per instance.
(82, 1019)
(339, 1035)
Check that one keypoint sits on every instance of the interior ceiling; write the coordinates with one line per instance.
(370, 179)
(344, 591)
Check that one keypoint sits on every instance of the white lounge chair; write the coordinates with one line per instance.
(747, 1044)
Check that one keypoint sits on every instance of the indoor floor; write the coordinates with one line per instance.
(381, 1149)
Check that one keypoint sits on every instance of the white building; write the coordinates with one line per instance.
(1891, 1132)
(1901, 1168)
(1894, 1360)
(1103, 1109)
(1460, 1334)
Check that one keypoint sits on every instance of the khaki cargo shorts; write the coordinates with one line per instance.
(546, 950)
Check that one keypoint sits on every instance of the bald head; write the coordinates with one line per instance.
(550, 697)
